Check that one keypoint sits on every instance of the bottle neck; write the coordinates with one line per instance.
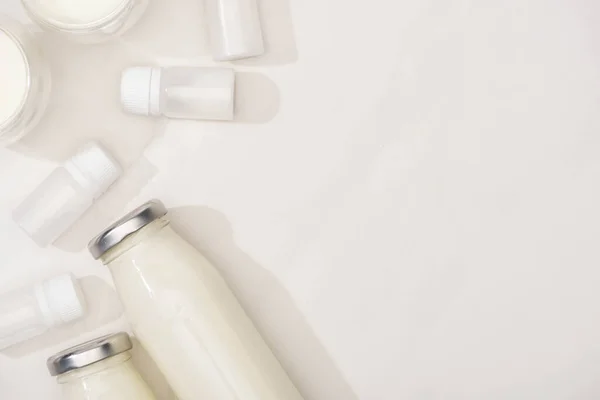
(134, 239)
(111, 363)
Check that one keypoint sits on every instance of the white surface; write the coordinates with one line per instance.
(408, 203)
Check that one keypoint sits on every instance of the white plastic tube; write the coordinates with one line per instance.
(235, 30)
(66, 194)
(180, 92)
(30, 312)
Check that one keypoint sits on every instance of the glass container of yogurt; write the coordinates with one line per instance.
(24, 81)
(86, 21)
(100, 369)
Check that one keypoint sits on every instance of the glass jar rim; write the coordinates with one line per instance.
(51, 22)
(12, 120)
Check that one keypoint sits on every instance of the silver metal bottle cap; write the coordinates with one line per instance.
(131, 223)
(89, 353)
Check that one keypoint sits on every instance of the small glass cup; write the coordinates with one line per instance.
(86, 22)
(34, 101)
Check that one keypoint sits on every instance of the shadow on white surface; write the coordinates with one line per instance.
(103, 307)
(107, 208)
(267, 302)
(257, 98)
(150, 372)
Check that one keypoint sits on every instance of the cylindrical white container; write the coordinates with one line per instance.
(30, 312)
(86, 21)
(99, 370)
(66, 194)
(179, 92)
(235, 30)
(24, 81)
(185, 315)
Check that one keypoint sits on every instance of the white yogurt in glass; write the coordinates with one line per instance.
(86, 20)
(24, 81)
(14, 77)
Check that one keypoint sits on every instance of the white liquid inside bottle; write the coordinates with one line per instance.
(186, 316)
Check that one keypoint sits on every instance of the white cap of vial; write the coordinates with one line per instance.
(140, 90)
(60, 300)
(94, 168)
(62, 198)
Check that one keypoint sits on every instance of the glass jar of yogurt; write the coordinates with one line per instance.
(99, 370)
(86, 21)
(24, 81)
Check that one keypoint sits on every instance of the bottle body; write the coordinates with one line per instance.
(46, 220)
(29, 312)
(198, 93)
(86, 21)
(64, 196)
(190, 322)
(112, 379)
(179, 92)
(25, 81)
(235, 29)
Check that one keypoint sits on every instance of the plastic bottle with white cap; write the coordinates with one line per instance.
(66, 194)
(200, 93)
(234, 29)
(29, 312)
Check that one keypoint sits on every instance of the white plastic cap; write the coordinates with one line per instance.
(61, 300)
(94, 168)
(140, 90)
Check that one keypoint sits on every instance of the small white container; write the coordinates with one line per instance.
(185, 315)
(24, 81)
(235, 30)
(31, 311)
(66, 194)
(179, 92)
(86, 21)
(99, 370)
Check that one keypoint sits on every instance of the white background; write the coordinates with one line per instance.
(407, 206)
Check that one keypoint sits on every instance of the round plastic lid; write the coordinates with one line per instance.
(140, 90)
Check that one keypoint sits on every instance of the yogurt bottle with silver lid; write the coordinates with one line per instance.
(99, 370)
(185, 315)
(24, 81)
